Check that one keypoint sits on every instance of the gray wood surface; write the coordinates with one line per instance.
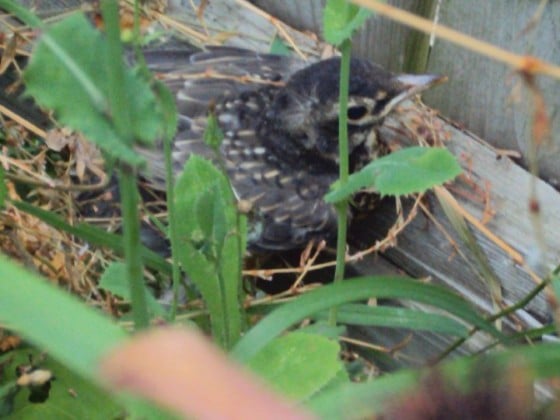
(477, 96)
(482, 94)
(423, 251)
(380, 40)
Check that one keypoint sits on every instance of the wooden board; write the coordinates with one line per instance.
(482, 94)
(424, 251)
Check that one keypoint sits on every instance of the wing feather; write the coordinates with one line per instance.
(287, 208)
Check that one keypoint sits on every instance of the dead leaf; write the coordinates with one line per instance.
(86, 155)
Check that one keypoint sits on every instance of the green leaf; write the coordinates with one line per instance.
(211, 219)
(385, 316)
(323, 328)
(362, 400)
(351, 290)
(213, 134)
(114, 281)
(211, 244)
(87, 398)
(298, 364)
(203, 210)
(279, 47)
(68, 72)
(231, 264)
(411, 170)
(341, 19)
(168, 106)
(53, 319)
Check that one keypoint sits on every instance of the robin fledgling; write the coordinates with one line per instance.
(279, 116)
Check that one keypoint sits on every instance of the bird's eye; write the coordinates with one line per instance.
(357, 112)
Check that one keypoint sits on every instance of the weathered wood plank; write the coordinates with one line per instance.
(422, 248)
(477, 95)
(238, 23)
(482, 94)
(380, 40)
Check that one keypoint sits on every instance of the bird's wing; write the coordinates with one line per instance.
(199, 79)
(287, 207)
(217, 73)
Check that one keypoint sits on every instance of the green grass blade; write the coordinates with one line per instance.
(352, 290)
(52, 319)
(385, 316)
(93, 235)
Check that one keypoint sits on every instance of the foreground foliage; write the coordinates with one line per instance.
(118, 108)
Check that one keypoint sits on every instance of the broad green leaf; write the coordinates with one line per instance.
(114, 281)
(341, 19)
(211, 243)
(8, 393)
(298, 364)
(411, 170)
(231, 264)
(68, 73)
(203, 210)
(53, 319)
(72, 333)
(352, 290)
(386, 316)
(211, 219)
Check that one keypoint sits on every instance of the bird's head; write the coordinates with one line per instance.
(307, 107)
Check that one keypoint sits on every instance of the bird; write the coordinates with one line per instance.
(279, 116)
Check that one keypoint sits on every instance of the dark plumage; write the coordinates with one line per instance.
(280, 120)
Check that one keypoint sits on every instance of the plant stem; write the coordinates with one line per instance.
(342, 207)
(132, 246)
(171, 231)
(118, 109)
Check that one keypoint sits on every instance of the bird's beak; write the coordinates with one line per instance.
(408, 85)
(411, 84)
